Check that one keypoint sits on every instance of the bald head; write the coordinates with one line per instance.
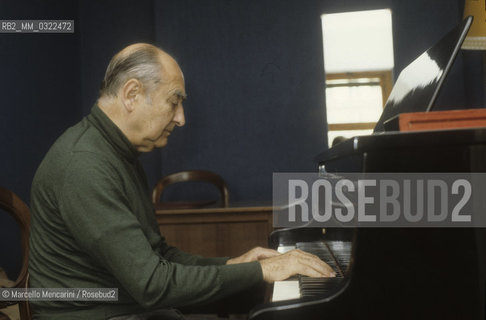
(142, 93)
(141, 61)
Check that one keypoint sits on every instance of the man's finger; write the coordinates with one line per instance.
(314, 263)
(315, 259)
(311, 272)
(322, 269)
(267, 253)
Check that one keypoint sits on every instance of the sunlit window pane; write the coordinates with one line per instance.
(357, 41)
(354, 104)
(358, 60)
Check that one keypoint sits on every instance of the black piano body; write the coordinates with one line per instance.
(401, 273)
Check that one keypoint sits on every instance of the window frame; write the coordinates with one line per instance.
(385, 81)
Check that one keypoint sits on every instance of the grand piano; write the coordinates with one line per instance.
(391, 273)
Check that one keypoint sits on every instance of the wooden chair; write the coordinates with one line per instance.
(12, 204)
(186, 176)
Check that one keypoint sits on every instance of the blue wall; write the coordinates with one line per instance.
(39, 85)
(254, 75)
(255, 80)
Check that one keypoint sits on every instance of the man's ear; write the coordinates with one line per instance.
(131, 94)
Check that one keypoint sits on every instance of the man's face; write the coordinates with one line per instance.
(157, 116)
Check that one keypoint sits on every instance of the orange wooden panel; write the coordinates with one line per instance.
(439, 120)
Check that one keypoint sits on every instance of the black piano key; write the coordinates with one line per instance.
(336, 254)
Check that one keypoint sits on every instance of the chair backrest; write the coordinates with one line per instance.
(186, 176)
(12, 204)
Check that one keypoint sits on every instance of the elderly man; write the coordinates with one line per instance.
(93, 224)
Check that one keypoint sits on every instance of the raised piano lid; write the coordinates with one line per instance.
(418, 85)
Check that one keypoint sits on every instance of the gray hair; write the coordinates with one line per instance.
(142, 64)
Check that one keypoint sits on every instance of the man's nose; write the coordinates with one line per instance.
(179, 117)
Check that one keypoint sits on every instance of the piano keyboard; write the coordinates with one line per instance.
(336, 254)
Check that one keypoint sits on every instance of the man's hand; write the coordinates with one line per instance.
(254, 254)
(294, 262)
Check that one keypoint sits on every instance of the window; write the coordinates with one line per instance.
(358, 60)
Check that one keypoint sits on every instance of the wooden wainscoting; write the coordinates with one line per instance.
(217, 232)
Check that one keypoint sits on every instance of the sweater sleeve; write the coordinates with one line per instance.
(96, 212)
(175, 255)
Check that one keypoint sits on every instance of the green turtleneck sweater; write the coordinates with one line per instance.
(93, 226)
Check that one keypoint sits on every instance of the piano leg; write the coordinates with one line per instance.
(481, 247)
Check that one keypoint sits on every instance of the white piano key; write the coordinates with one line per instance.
(283, 249)
(286, 290)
